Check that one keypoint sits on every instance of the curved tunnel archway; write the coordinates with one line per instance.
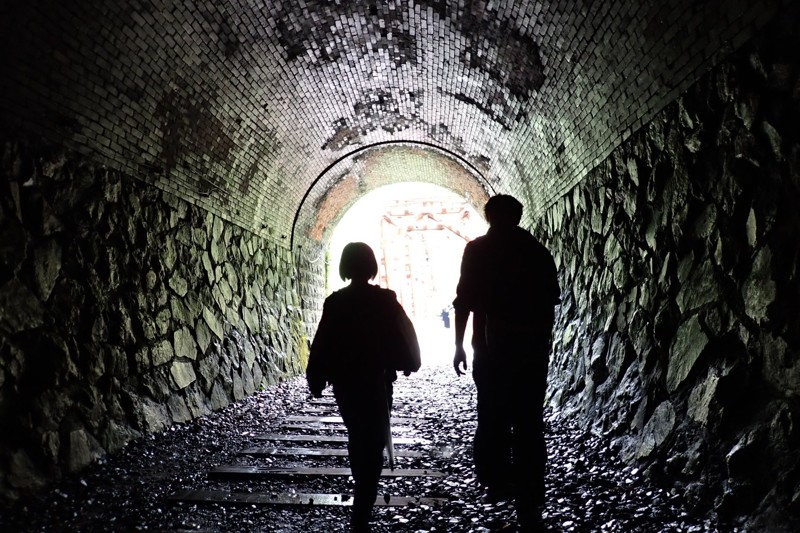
(361, 171)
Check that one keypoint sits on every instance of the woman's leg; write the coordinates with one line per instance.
(364, 411)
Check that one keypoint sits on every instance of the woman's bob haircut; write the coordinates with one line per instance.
(358, 262)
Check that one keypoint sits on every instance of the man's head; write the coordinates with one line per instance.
(503, 210)
(358, 262)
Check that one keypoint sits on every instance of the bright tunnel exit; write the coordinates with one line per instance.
(418, 232)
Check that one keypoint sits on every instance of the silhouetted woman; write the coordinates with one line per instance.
(364, 337)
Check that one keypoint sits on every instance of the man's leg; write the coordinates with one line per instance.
(529, 449)
(492, 445)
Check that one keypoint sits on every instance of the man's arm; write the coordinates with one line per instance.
(460, 358)
(466, 296)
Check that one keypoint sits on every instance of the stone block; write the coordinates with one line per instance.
(153, 416)
(706, 222)
(248, 383)
(178, 284)
(781, 367)
(177, 409)
(700, 289)
(184, 344)
(232, 277)
(225, 290)
(751, 228)
(657, 429)
(759, 289)
(213, 323)
(743, 458)
(697, 406)
(689, 342)
(208, 370)
(162, 321)
(157, 383)
(161, 353)
(20, 309)
(199, 238)
(83, 450)
(170, 252)
(115, 436)
(208, 267)
(203, 336)
(183, 374)
(142, 357)
(218, 397)
(257, 376)
(150, 280)
(238, 386)
(47, 267)
(196, 402)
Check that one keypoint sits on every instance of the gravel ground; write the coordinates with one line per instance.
(588, 488)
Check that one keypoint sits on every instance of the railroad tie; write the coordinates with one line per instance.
(293, 498)
(255, 472)
(319, 423)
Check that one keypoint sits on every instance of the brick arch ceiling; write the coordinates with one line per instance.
(240, 106)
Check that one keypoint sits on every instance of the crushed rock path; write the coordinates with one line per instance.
(588, 489)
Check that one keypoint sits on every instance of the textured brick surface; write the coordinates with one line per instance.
(240, 106)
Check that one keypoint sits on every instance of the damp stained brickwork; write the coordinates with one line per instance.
(238, 107)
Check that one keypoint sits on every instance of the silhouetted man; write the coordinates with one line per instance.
(509, 283)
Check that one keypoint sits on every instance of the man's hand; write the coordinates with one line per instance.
(460, 359)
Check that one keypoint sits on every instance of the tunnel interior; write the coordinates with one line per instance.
(172, 172)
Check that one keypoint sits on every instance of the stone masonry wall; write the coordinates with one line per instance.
(124, 310)
(679, 333)
(312, 282)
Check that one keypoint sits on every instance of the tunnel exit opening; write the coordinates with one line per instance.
(418, 232)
